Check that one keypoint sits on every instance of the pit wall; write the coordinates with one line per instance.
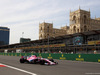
(75, 57)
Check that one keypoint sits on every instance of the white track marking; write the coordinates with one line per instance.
(85, 62)
(19, 69)
(93, 73)
(90, 62)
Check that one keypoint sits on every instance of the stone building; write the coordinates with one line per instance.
(80, 21)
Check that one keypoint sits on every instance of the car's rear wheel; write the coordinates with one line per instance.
(22, 60)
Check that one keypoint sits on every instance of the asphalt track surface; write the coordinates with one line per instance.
(64, 67)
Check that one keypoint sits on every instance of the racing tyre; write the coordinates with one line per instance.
(22, 60)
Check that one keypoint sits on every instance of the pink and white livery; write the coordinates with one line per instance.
(37, 60)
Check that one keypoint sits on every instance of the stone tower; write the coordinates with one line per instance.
(79, 21)
(45, 30)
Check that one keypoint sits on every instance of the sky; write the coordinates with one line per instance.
(25, 15)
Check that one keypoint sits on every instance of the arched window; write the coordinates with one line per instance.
(41, 35)
(47, 34)
(74, 19)
(85, 28)
(78, 30)
(85, 19)
(48, 28)
(81, 30)
(41, 29)
(74, 29)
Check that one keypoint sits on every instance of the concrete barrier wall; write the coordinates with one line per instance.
(76, 57)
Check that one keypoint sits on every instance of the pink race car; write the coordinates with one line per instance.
(34, 60)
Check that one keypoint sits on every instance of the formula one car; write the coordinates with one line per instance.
(37, 60)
